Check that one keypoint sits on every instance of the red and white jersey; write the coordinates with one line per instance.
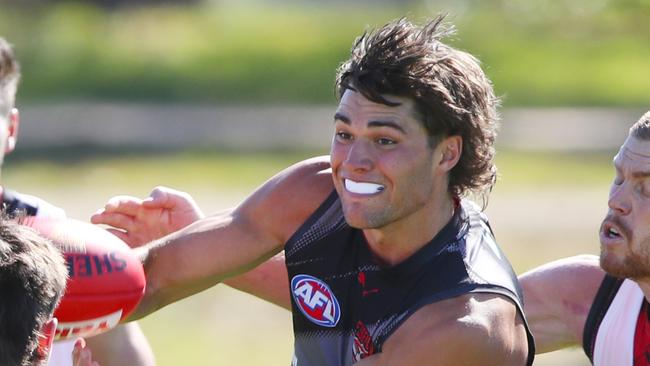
(617, 331)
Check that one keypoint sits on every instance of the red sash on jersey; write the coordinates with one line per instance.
(642, 337)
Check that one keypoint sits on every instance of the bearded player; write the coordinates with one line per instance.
(603, 306)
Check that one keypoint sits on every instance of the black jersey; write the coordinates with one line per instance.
(345, 305)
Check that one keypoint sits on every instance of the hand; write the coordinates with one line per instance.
(81, 354)
(137, 221)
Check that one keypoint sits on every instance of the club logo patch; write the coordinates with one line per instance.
(363, 345)
(315, 300)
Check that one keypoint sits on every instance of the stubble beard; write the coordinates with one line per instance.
(634, 265)
(375, 219)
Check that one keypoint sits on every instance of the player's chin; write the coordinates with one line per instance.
(362, 220)
(612, 263)
(356, 224)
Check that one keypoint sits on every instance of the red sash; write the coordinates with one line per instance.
(642, 337)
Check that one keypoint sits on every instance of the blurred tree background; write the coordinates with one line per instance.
(538, 53)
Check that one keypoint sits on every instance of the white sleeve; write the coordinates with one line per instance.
(46, 209)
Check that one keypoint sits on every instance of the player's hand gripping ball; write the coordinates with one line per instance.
(106, 280)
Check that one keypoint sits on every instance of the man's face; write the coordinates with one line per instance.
(625, 232)
(382, 165)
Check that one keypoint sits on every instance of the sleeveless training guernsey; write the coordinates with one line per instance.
(345, 305)
(15, 203)
(616, 329)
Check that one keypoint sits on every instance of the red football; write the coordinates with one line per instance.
(106, 280)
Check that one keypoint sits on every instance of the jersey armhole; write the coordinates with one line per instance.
(327, 203)
(604, 297)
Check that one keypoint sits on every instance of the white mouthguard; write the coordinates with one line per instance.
(363, 187)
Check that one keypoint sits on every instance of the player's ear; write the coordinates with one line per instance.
(12, 130)
(450, 149)
(46, 339)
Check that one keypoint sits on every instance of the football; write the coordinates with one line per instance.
(106, 280)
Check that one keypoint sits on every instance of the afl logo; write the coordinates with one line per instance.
(315, 300)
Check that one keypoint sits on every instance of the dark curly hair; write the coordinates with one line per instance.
(452, 94)
(33, 276)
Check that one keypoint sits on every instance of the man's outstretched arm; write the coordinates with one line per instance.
(557, 299)
(123, 345)
(166, 210)
(230, 243)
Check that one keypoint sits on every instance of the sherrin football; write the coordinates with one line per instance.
(106, 280)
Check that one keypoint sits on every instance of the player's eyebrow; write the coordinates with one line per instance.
(389, 124)
(641, 174)
(343, 118)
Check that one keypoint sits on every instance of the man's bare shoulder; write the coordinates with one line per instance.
(585, 264)
(471, 329)
(557, 299)
(313, 176)
(286, 200)
(573, 277)
(304, 185)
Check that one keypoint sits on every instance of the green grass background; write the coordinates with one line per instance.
(545, 206)
(539, 53)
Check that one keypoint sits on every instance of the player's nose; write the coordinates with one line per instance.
(360, 156)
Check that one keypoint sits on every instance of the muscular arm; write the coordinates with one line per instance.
(473, 329)
(557, 299)
(231, 243)
(124, 345)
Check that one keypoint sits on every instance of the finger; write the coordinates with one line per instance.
(155, 202)
(98, 216)
(162, 197)
(171, 199)
(116, 220)
(123, 204)
(121, 235)
(85, 358)
(79, 345)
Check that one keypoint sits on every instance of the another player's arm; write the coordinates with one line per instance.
(268, 281)
(473, 329)
(557, 299)
(227, 244)
(129, 339)
(137, 222)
